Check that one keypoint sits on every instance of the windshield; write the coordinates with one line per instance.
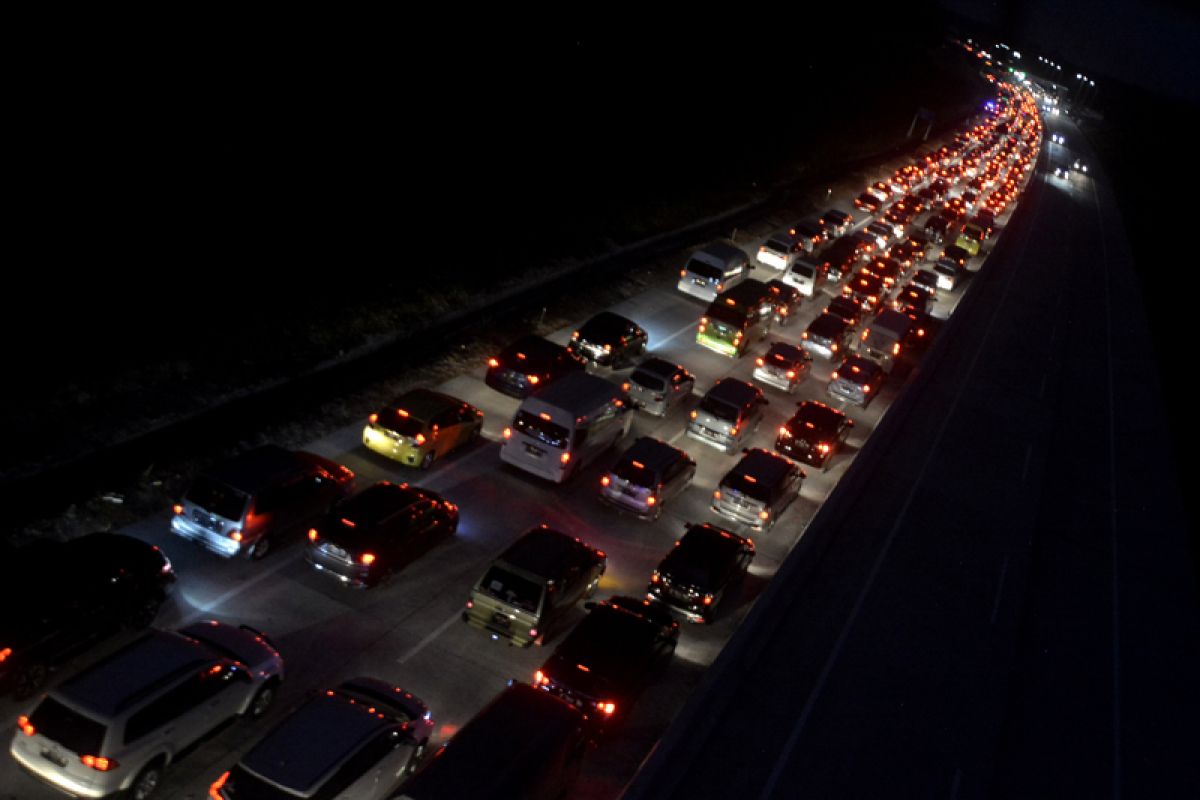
(391, 419)
(512, 589)
(70, 729)
(217, 498)
(543, 430)
(702, 270)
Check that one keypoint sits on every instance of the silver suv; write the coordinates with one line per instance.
(728, 414)
(117, 725)
(356, 741)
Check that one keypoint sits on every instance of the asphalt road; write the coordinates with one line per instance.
(999, 600)
(409, 630)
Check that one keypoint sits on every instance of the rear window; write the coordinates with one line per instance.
(648, 380)
(543, 430)
(803, 269)
(727, 315)
(512, 589)
(245, 785)
(393, 420)
(217, 498)
(79, 734)
(748, 486)
(635, 473)
(702, 270)
(719, 409)
(778, 246)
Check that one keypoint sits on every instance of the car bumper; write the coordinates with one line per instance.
(708, 292)
(798, 451)
(849, 393)
(516, 635)
(28, 758)
(694, 612)
(721, 441)
(719, 345)
(818, 348)
(745, 515)
(651, 406)
(353, 575)
(217, 543)
(506, 384)
(771, 260)
(624, 502)
(779, 382)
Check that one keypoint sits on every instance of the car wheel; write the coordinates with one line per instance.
(30, 680)
(147, 781)
(262, 701)
(260, 548)
(427, 461)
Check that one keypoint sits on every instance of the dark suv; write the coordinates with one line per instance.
(606, 662)
(240, 506)
(758, 489)
(609, 340)
(648, 474)
(528, 364)
(814, 433)
(695, 575)
(378, 531)
(63, 597)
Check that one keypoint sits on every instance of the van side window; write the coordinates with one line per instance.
(175, 703)
(357, 765)
(579, 437)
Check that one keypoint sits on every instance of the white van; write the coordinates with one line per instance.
(806, 274)
(713, 269)
(559, 429)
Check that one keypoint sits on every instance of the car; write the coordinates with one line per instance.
(810, 234)
(609, 659)
(971, 238)
(857, 380)
(609, 340)
(1058, 138)
(531, 588)
(868, 242)
(912, 298)
(422, 426)
(118, 725)
(646, 476)
(242, 505)
(1079, 166)
(65, 597)
(866, 289)
(379, 531)
(1060, 171)
(657, 385)
(785, 366)
(955, 209)
(948, 272)
(881, 190)
(838, 220)
(868, 202)
(528, 364)
(884, 233)
(814, 434)
(908, 252)
(828, 336)
(757, 491)
(780, 249)
(956, 253)
(729, 413)
(787, 300)
(845, 308)
(888, 269)
(985, 220)
(842, 256)
(700, 570)
(937, 226)
(359, 739)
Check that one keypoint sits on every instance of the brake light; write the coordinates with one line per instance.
(693, 415)
(99, 763)
(235, 535)
(824, 448)
(605, 481)
(708, 599)
(785, 432)
(533, 632)
(373, 419)
(896, 349)
(764, 514)
(533, 379)
(368, 559)
(540, 678)
(507, 433)
(4, 654)
(651, 500)
(214, 791)
(25, 725)
(834, 376)
(717, 494)
(866, 332)
(733, 431)
(177, 508)
(791, 373)
(470, 604)
(313, 535)
(493, 362)
(608, 707)
(683, 273)
(625, 387)
(867, 387)
(654, 578)
(565, 457)
(419, 439)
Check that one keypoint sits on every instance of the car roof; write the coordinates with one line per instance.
(765, 466)
(860, 364)
(733, 390)
(424, 404)
(818, 413)
(258, 468)
(155, 660)
(313, 742)
(533, 347)
(706, 547)
(378, 502)
(658, 366)
(787, 350)
(655, 454)
(607, 322)
(828, 324)
(542, 551)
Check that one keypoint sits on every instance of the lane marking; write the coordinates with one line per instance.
(1028, 456)
(202, 610)
(956, 784)
(438, 631)
(999, 589)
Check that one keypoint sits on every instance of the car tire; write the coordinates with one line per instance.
(259, 549)
(30, 680)
(147, 781)
(428, 460)
(262, 700)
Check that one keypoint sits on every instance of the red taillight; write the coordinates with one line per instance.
(540, 678)
(758, 361)
(824, 448)
(313, 535)
(833, 376)
(565, 457)
(470, 604)
(235, 535)
(507, 433)
(214, 791)
(764, 514)
(177, 508)
(683, 273)
(533, 633)
(651, 500)
(791, 373)
(419, 439)
(99, 763)
(694, 415)
(708, 599)
(534, 379)
(717, 494)
(4, 654)
(624, 387)
(785, 432)
(867, 388)
(608, 707)
(349, 523)
(654, 578)
(896, 349)
(493, 362)
(26, 726)
(368, 559)
(605, 481)
(373, 418)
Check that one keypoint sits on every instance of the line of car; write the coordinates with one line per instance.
(119, 724)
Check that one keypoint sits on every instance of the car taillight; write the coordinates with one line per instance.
(368, 559)
(533, 379)
(235, 535)
(605, 481)
(896, 349)
(764, 514)
(717, 494)
(733, 431)
(791, 373)
(99, 763)
(759, 361)
(313, 535)
(533, 633)
(608, 707)
(824, 448)
(565, 457)
(419, 439)
(866, 387)
(214, 791)
(708, 599)
(540, 678)
(683, 273)
(834, 376)
(373, 418)
(470, 604)
(694, 415)
(720, 287)
(507, 433)
(493, 362)
(654, 578)
(177, 508)
(651, 500)
(4, 654)
(26, 726)
(624, 387)
(785, 432)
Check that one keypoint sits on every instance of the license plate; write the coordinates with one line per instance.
(534, 451)
(54, 757)
(699, 282)
(500, 619)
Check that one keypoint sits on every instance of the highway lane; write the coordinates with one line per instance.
(408, 630)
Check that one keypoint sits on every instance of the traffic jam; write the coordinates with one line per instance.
(592, 513)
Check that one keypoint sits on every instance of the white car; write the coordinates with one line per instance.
(1058, 138)
(1079, 166)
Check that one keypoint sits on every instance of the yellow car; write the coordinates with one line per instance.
(971, 238)
(422, 426)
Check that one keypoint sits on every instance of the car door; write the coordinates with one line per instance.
(446, 431)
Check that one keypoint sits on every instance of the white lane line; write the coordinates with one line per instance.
(1028, 457)
(438, 631)
(999, 589)
(676, 334)
(957, 784)
(220, 600)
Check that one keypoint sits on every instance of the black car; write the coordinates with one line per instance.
(845, 308)
(609, 340)
(786, 299)
(60, 598)
(703, 565)
(528, 364)
(908, 252)
(956, 253)
(828, 336)
(838, 221)
(867, 202)
(814, 433)
(605, 663)
(937, 226)
(378, 531)
(842, 256)
(887, 268)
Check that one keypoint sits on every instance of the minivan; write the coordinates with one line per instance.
(807, 274)
(759, 489)
(728, 414)
(738, 317)
(647, 475)
(559, 429)
(713, 269)
(240, 506)
(530, 588)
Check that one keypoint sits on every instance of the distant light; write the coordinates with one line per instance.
(1078, 75)
(1093, 83)
(1016, 54)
